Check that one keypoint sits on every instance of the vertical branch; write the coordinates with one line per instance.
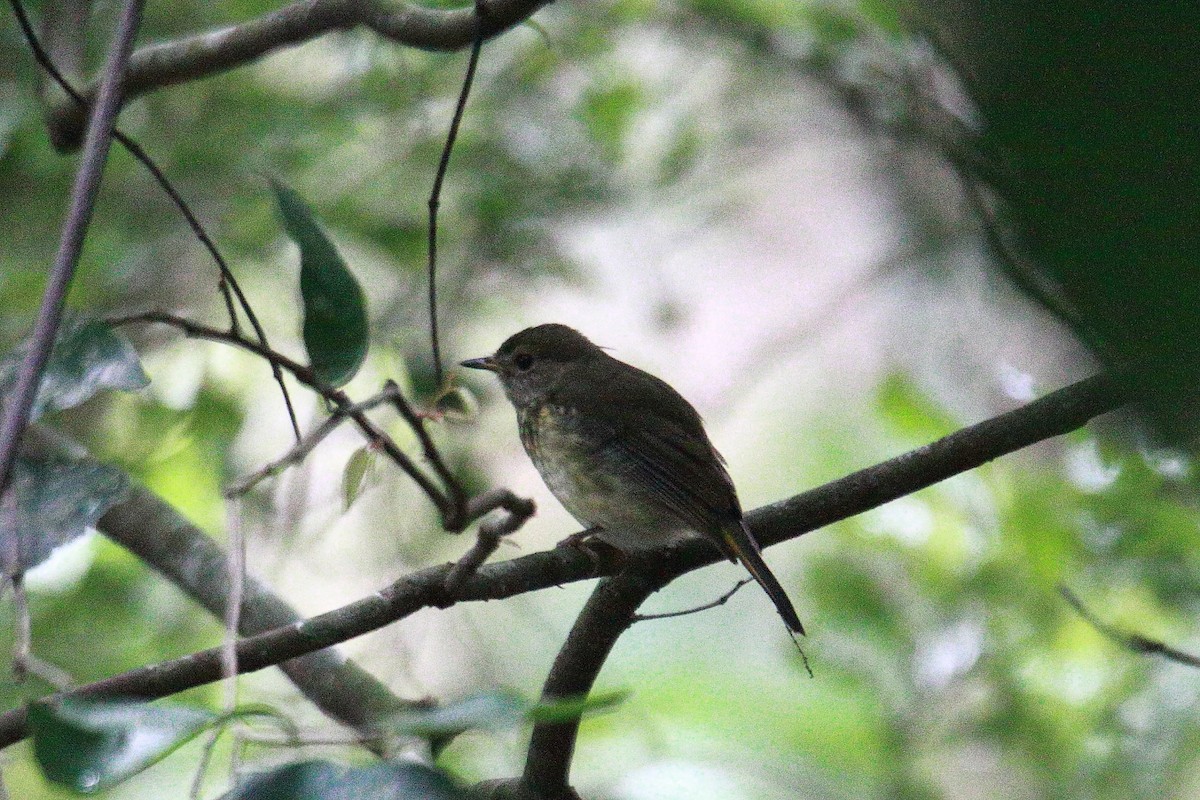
(83, 201)
(608, 613)
(456, 497)
(435, 195)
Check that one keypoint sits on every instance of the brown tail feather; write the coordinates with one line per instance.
(742, 544)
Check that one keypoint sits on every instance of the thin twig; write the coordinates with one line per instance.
(236, 755)
(234, 597)
(435, 195)
(720, 601)
(52, 674)
(83, 199)
(23, 633)
(454, 491)
(307, 443)
(306, 376)
(14, 576)
(233, 602)
(227, 280)
(487, 541)
(305, 740)
(206, 754)
(504, 499)
(1131, 641)
(1021, 269)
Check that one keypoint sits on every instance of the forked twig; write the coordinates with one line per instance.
(490, 533)
(306, 444)
(720, 601)
(455, 494)
(306, 376)
(455, 515)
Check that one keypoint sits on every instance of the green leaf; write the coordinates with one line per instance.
(885, 16)
(771, 14)
(574, 707)
(359, 469)
(58, 500)
(87, 358)
(494, 711)
(335, 311)
(89, 745)
(324, 780)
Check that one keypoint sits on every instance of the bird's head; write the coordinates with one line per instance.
(536, 361)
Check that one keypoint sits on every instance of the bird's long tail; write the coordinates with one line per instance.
(741, 544)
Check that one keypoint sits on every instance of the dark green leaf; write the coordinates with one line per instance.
(335, 311)
(324, 780)
(87, 357)
(58, 499)
(92, 744)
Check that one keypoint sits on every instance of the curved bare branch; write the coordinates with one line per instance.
(203, 54)
(609, 612)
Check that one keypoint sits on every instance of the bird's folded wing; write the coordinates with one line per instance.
(679, 472)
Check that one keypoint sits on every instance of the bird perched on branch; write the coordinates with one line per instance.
(623, 452)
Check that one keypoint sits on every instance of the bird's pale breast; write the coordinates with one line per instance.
(582, 469)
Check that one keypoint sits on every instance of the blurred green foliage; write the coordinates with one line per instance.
(946, 663)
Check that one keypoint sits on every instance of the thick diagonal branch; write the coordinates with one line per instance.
(612, 608)
(1053, 415)
(162, 538)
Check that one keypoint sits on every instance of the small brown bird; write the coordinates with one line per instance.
(622, 450)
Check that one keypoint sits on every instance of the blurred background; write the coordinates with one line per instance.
(740, 197)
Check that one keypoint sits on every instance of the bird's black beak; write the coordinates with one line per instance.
(486, 362)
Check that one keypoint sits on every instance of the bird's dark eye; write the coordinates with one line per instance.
(522, 361)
